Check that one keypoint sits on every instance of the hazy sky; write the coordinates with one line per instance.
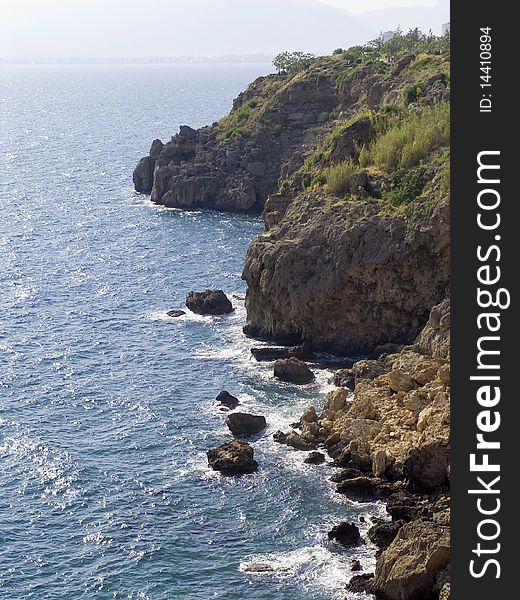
(118, 28)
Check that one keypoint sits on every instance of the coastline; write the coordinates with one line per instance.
(350, 172)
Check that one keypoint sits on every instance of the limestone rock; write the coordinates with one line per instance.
(233, 458)
(293, 370)
(209, 302)
(408, 568)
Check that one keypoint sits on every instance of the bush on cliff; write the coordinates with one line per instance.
(339, 177)
(410, 140)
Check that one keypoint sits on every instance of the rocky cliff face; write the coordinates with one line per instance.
(235, 164)
(346, 276)
(356, 248)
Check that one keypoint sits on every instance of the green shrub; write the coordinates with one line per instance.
(412, 93)
(339, 177)
(406, 185)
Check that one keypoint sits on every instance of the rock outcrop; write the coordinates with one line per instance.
(293, 370)
(233, 458)
(209, 302)
(244, 424)
(407, 570)
(226, 399)
(267, 353)
(345, 533)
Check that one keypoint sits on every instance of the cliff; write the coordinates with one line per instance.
(235, 164)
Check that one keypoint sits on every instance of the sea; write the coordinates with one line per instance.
(106, 404)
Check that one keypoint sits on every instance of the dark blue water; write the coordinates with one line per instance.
(106, 405)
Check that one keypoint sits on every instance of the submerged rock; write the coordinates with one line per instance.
(176, 313)
(270, 353)
(345, 533)
(293, 370)
(245, 424)
(233, 458)
(227, 400)
(209, 302)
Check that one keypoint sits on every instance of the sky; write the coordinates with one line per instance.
(136, 28)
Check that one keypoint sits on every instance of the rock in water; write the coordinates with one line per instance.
(226, 399)
(355, 565)
(345, 533)
(176, 313)
(245, 424)
(143, 173)
(293, 370)
(209, 302)
(269, 353)
(315, 458)
(233, 458)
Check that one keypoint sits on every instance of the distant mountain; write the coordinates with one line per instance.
(424, 17)
(175, 27)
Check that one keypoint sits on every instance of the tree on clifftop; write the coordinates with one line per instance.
(286, 62)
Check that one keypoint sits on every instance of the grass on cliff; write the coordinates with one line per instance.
(339, 177)
(409, 141)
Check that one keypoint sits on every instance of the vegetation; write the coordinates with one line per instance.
(408, 141)
(339, 177)
(288, 62)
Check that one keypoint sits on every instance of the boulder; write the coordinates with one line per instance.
(355, 565)
(293, 439)
(315, 458)
(337, 399)
(233, 458)
(427, 466)
(245, 424)
(407, 569)
(382, 534)
(176, 313)
(226, 399)
(293, 370)
(309, 416)
(209, 302)
(346, 534)
(344, 378)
